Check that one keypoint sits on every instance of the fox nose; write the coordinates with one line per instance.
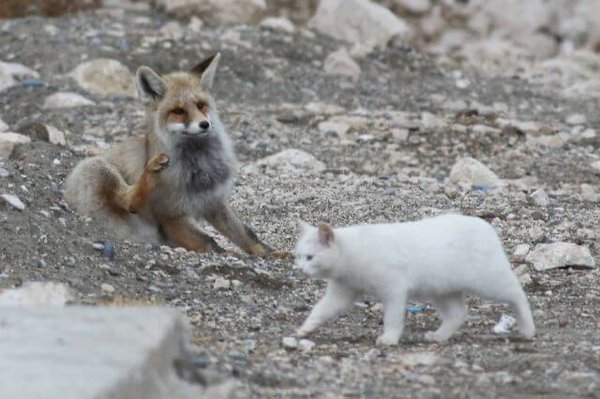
(204, 125)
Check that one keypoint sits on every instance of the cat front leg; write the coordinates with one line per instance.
(338, 298)
(393, 320)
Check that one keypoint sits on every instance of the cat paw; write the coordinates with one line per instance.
(387, 340)
(158, 163)
(433, 336)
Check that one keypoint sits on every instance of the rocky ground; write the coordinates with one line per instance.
(384, 139)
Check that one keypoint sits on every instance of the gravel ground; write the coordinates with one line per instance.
(408, 123)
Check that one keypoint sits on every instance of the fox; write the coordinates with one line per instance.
(156, 187)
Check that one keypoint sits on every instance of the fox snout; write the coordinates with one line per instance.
(194, 128)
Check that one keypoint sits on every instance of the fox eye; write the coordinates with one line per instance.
(178, 111)
(309, 257)
(202, 107)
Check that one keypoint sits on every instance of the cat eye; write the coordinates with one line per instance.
(309, 257)
(178, 111)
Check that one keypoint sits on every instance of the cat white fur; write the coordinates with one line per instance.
(439, 259)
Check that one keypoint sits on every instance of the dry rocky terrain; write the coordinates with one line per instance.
(325, 132)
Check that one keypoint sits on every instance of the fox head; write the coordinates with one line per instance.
(180, 103)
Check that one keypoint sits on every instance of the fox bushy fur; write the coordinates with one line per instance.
(155, 187)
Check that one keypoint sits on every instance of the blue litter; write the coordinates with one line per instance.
(414, 309)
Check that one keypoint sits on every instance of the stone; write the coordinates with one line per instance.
(4, 172)
(504, 325)
(595, 166)
(473, 172)
(292, 161)
(516, 18)
(66, 100)
(278, 24)
(521, 250)
(417, 7)
(105, 287)
(414, 359)
(9, 141)
(560, 254)
(37, 294)
(576, 119)
(94, 352)
(589, 193)
(46, 133)
(221, 283)
(217, 12)
(306, 345)
(358, 21)
(172, 30)
(13, 200)
(289, 343)
(340, 63)
(330, 127)
(11, 73)
(3, 126)
(105, 77)
(540, 197)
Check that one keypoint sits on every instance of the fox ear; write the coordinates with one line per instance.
(207, 70)
(325, 234)
(150, 84)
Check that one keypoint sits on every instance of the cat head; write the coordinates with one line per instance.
(315, 251)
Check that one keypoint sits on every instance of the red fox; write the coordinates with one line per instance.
(155, 187)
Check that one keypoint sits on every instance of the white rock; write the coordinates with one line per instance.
(589, 193)
(414, 6)
(504, 325)
(278, 24)
(358, 21)
(292, 161)
(339, 128)
(596, 166)
(66, 100)
(576, 119)
(515, 18)
(306, 345)
(105, 287)
(340, 63)
(13, 201)
(10, 72)
(216, 11)
(105, 77)
(9, 141)
(289, 343)
(434, 23)
(37, 294)
(172, 30)
(560, 254)
(521, 250)
(221, 283)
(3, 126)
(469, 170)
(414, 359)
(540, 197)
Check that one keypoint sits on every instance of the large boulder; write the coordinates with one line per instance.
(217, 11)
(105, 77)
(358, 21)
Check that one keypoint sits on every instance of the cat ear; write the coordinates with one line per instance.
(150, 85)
(207, 70)
(325, 234)
(303, 227)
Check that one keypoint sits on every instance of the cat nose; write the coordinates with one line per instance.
(204, 125)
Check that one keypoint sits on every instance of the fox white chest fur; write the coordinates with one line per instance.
(440, 259)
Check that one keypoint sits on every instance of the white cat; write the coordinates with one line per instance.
(441, 259)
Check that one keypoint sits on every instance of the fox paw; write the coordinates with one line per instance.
(158, 163)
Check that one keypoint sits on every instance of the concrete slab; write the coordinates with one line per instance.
(92, 352)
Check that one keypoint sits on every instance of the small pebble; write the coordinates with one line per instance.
(109, 289)
(306, 345)
(4, 172)
(290, 343)
(13, 201)
(41, 264)
(69, 261)
(221, 284)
